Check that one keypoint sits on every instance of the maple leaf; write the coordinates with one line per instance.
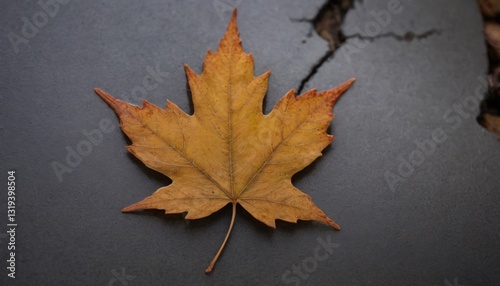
(228, 151)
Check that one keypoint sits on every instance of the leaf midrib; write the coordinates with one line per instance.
(265, 163)
(181, 153)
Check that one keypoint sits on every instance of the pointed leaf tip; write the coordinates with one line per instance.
(132, 208)
(232, 29)
(235, 13)
(105, 96)
(334, 225)
(344, 86)
(337, 91)
(232, 22)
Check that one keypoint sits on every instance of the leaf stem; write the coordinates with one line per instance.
(212, 264)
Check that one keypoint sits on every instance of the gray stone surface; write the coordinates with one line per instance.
(439, 225)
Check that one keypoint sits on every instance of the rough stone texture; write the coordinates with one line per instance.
(440, 226)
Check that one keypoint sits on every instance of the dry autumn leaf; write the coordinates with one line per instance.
(228, 151)
(491, 123)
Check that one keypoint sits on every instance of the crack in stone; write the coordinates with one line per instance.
(328, 22)
(407, 37)
(314, 70)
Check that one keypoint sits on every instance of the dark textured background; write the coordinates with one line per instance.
(440, 226)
